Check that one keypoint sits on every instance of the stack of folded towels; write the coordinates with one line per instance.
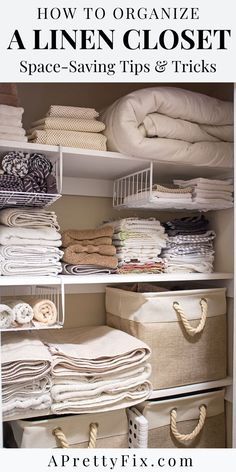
(89, 251)
(24, 172)
(26, 374)
(11, 128)
(29, 242)
(139, 242)
(69, 126)
(96, 369)
(27, 312)
(189, 246)
(210, 193)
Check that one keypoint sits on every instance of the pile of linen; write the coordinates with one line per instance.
(89, 251)
(11, 128)
(190, 245)
(139, 242)
(27, 312)
(96, 369)
(69, 126)
(210, 193)
(25, 172)
(29, 242)
(26, 374)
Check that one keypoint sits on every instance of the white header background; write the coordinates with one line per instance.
(23, 16)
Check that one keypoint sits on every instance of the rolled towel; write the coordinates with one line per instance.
(45, 311)
(23, 312)
(16, 163)
(7, 316)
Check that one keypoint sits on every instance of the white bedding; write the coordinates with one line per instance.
(171, 125)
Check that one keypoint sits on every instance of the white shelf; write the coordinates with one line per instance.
(110, 279)
(86, 165)
(169, 392)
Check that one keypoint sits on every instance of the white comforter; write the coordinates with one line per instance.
(171, 125)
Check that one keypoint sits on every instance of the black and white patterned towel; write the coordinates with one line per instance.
(16, 163)
(11, 183)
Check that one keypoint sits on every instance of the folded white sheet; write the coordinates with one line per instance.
(24, 236)
(19, 267)
(13, 137)
(42, 254)
(13, 130)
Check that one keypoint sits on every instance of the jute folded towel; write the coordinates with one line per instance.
(103, 250)
(76, 236)
(110, 262)
(76, 139)
(72, 112)
(70, 124)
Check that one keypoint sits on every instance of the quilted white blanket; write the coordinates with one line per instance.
(172, 125)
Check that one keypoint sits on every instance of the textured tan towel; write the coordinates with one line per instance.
(104, 250)
(70, 138)
(72, 112)
(76, 236)
(92, 259)
(70, 124)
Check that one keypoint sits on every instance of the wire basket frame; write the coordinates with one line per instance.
(53, 293)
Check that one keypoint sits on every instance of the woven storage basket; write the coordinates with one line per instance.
(186, 331)
(191, 421)
(101, 430)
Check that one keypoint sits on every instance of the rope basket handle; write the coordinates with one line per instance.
(62, 440)
(195, 432)
(188, 328)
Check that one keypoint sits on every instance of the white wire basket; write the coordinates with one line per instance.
(30, 199)
(136, 191)
(42, 292)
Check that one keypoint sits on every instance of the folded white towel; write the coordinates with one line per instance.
(6, 316)
(12, 130)
(9, 111)
(29, 217)
(19, 267)
(13, 137)
(6, 120)
(23, 236)
(31, 254)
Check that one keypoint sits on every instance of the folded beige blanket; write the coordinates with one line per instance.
(70, 138)
(71, 252)
(110, 262)
(70, 124)
(76, 236)
(29, 217)
(13, 137)
(72, 112)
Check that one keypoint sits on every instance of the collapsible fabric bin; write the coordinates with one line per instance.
(191, 421)
(100, 430)
(186, 331)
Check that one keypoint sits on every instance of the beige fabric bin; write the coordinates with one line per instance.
(186, 331)
(196, 421)
(101, 430)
